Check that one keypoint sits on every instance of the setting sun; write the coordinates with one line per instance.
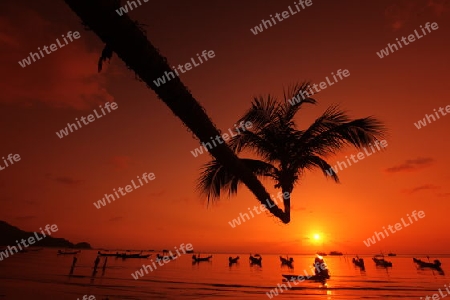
(316, 237)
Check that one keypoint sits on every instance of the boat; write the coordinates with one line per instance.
(137, 255)
(31, 249)
(287, 261)
(391, 254)
(321, 253)
(255, 260)
(335, 253)
(189, 251)
(317, 277)
(232, 261)
(164, 257)
(197, 259)
(358, 262)
(321, 272)
(436, 264)
(381, 262)
(68, 252)
(133, 256)
(109, 254)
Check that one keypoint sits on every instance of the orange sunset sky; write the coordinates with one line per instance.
(57, 180)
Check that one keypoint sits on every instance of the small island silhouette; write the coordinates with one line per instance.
(11, 233)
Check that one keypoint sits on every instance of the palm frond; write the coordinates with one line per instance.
(294, 99)
(262, 112)
(312, 162)
(215, 178)
(106, 55)
(335, 129)
(258, 144)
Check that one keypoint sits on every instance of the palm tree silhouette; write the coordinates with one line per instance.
(285, 152)
(328, 134)
(128, 40)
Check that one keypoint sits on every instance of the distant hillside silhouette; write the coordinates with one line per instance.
(9, 234)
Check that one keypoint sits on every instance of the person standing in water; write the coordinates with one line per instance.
(74, 261)
(104, 266)
(96, 262)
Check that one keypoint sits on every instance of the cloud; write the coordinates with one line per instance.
(421, 188)
(401, 12)
(438, 6)
(443, 194)
(64, 179)
(411, 165)
(68, 180)
(24, 218)
(157, 194)
(11, 199)
(65, 78)
(293, 208)
(120, 162)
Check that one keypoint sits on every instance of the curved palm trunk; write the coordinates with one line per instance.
(287, 202)
(287, 188)
(128, 41)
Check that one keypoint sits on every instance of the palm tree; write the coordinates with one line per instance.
(128, 40)
(285, 152)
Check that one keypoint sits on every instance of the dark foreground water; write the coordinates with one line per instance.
(44, 275)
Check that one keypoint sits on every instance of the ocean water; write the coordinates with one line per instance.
(44, 275)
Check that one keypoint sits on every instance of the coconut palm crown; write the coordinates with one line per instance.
(286, 152)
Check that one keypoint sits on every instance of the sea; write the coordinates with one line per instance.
(45, 275)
